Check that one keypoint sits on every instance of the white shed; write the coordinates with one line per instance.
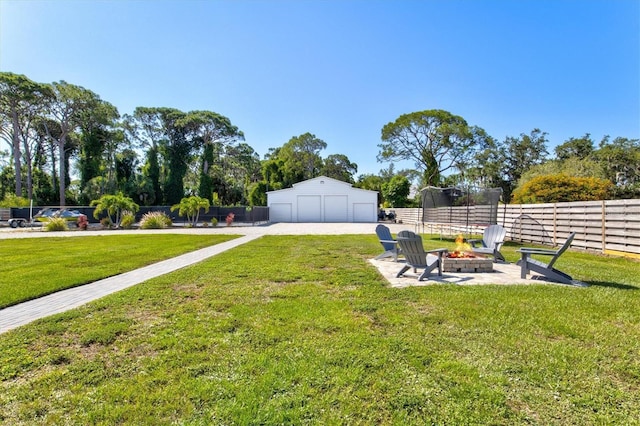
(322, 199)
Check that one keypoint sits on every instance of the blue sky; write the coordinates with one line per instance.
(342, 69)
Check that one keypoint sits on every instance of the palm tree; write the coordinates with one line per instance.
(190, 208)
(114, 205)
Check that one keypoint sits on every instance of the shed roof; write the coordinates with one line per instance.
(321, 178)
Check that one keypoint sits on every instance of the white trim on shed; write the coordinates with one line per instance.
(323, 199)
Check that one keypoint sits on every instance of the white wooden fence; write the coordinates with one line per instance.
(611, 227)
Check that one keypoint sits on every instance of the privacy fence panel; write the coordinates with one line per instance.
(611, 226)
(408, 215)
(622, 226)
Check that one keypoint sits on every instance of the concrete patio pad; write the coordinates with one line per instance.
(503, 274)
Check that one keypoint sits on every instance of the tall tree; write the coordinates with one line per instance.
(435, 140)
(242, 164)
(575, 147)
(396, 191)
(14, 99)
(372, 183)
(519, 155)
(210, 129)
(69, 103)
(146, 127)
(301, 156)
(152, 193)
(258, 194)
(45, 163)
(273, 172)
(205, 184)
(125, 166)
(485, 170)
(177, 138)
(98, 142)
(620, 159)
(177, 150)
(22, 102)
(339, 167)
(481, 168)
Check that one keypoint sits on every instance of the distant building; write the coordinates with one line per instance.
(322, 199)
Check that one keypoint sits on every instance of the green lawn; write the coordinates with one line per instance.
(303, 330)
(34, 267)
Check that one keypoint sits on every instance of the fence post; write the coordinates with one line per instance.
(520, 225)
(604, 226)
(555, 224)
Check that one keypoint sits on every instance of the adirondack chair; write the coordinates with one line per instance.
(417, 257)
(388, 243)
(491, 242)
(528, 264)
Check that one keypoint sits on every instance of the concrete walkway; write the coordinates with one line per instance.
(61, 301)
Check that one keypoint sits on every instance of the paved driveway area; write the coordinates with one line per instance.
(269, 229)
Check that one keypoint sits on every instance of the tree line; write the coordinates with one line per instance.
(155, 156)
(439, 142)
(158, 155)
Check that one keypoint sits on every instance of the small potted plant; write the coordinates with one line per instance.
(230, 218)
(83, 222)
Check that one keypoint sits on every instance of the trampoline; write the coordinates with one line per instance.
(460, 210)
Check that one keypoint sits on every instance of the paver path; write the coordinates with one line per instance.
(61, 301)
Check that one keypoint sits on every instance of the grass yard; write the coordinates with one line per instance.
(303, 330)
(34, 267)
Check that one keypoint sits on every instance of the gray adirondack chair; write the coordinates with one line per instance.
(529, 264)
(491, 242)
(416, 256)
(390, 245)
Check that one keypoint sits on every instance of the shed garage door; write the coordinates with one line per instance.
(280, 212)
(363, 212)
(309, 208)
(335, 208)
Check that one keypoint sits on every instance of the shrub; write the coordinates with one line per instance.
(11, 200)
(214, 222)
(167, 220)
(115, 206)
(128, 219)
(106, 223)
(56, 224)
(155, 220)
(559, 188)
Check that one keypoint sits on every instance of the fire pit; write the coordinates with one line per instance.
(465, 262)
(462, 260)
